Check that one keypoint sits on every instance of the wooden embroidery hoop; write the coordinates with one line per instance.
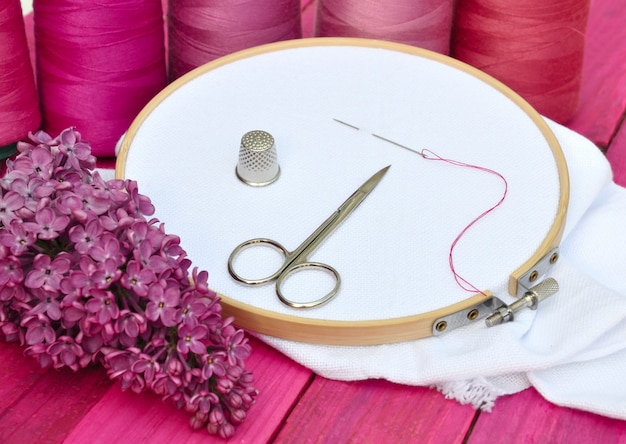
(397, 329)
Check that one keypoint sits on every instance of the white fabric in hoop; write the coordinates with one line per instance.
(392, 252)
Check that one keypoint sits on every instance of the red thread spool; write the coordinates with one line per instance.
(98, 64)
(202, 30)
(535, 47)
(19, 104)
(422, 23)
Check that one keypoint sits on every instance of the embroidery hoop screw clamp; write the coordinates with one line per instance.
(530, 299)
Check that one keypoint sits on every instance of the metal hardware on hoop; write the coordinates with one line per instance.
(498, 312)
(536, 274)
(466, 316)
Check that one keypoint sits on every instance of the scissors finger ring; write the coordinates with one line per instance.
(300, 267)
(260, 241)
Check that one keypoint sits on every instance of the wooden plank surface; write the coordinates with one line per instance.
(374, 411)
(527, 418)
(39, 406)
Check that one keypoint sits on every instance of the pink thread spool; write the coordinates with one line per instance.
(422, 23)
(202, 30)
(535, 47)
(19, 104)
(98, 64)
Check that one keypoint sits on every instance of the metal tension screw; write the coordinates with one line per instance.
(530, 299)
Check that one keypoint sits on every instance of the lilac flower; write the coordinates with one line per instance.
(200, 280)
(213, 364)
(72, 314)
(10, 202)
(65, 351)
(190, 339)
(47, 223)
(199, 419)
(110, 190)
(163, 304)
(106, 273)
(6, 181)
(17, 238)
(237, 416)
(130, 325)
(48, 303)
(40, 353)
(11, 272)
(116, 219)
(119, 363)
(166, 384)
(238, 348)
(32, 190)
(38, 163)
(38, 330)
(47, 272)
(64, 180)
(170, 246)
(86, 236)
(137, 232)
(80, 277)
(137, 279)
(139, 204)
(78, 153)
(204, 399)
(69, 203)
(143, 254)
(107, 247)
(102, 305)
(15, 293)
(191, 309)
(91, 202)
(86, 277)
(146, 365)
(39, 138)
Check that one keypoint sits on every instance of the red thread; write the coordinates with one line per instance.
(19, 105)
(425, 23)
(202, 30)
(98, 64)
(461, 281)
(534, 46)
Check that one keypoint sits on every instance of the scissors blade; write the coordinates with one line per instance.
(361, 193)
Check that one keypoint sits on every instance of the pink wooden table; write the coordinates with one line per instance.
(295, 405)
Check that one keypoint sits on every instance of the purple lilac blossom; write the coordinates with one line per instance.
(86, 277)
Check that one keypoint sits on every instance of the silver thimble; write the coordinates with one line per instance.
(258, 164)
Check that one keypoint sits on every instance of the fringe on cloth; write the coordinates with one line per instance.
(479, 393)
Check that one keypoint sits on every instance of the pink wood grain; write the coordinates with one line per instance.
(374, 411)
(528, 418)
(603, 95)
(129, 417)
(616, 155)
(18, 375)
(42, 406)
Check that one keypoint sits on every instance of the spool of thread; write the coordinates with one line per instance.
(98, 64)
(202, 30)
(422, 23)
(19, 104)
(535, 47)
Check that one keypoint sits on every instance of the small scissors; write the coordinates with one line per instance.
(298, 259)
